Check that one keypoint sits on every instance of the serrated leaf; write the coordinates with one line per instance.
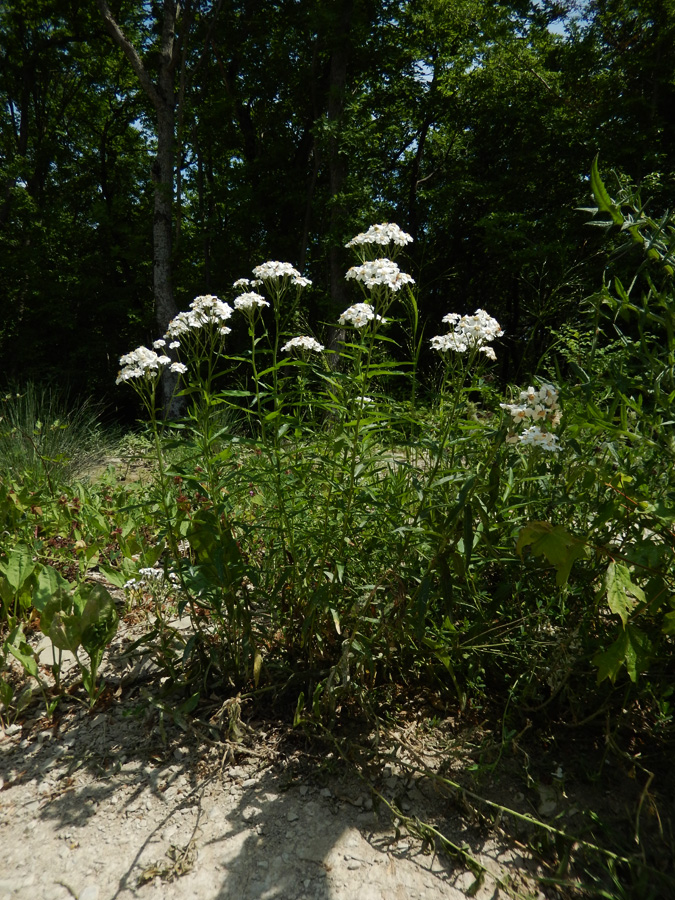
(622, 595)
(632, 649)
(604, 201)
(559, 547)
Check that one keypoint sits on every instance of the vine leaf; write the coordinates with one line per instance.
(622, 595)
(559, 547)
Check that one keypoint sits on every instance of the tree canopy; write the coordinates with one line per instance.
(254, 130)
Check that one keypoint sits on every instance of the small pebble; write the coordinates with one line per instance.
(292, 816)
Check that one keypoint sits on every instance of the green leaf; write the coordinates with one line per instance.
(99, 619)
(65, 632)
(18, 567)
(559, 547)
(622, 595)
(299, 707)
(632, 648)
(669, 623)
(61, 601)
(602, 198)
(49, 583)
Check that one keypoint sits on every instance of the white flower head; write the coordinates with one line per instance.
(388, 233)
(204, 310)
(468, 332)
(273, 269)
(303, 343)
(451, 318)
(178, 368)
(539, 406)
(174, 345)
(158, 344)
(535, 437)
(248, 302)
(445, 342)
(358, 315)
(377, 272)
(140, 363)
(241, 283)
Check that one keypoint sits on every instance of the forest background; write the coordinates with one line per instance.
(151, 152)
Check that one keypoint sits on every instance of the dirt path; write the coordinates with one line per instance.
(121, 803)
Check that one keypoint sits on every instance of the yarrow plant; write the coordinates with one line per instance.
(381, 234)
(274, 270)
(380, 272)
(540, 406)
(303, 343)
(204, 310)
(474, 332)
(248, 302)
(315, 486)
(358, 315)
(141, 363)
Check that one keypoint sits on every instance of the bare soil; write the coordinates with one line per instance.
(120, 802)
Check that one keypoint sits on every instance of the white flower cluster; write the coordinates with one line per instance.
(536, 406)
(380, 272)
(535, 437)
(381, 234)
(246, 282)
(358, 315)
(205, 310)
(273, 270)
(248, 302)
(476, 331)
(140, 363)
(151, 578)
(302, 343)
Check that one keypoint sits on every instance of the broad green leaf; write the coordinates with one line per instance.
(622, 595)
(632, 648)
(18, 567)
(26, 657)
(61, 601)
(49, 583)
(559, 547)
(99, 619)
(65, 631)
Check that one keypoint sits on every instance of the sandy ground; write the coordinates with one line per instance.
(121, 803)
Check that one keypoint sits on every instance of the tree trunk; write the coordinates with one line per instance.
(337, 161)
(163, 99)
